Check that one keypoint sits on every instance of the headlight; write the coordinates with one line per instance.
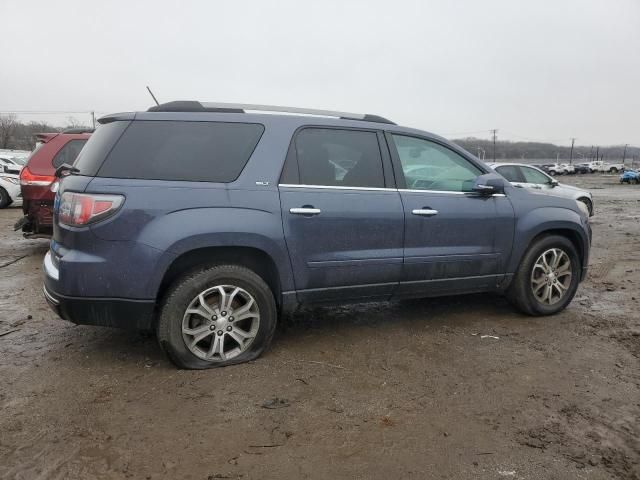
(583, 208)
(13, 180)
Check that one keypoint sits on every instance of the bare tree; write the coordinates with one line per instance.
(7, 128)
(73, 122)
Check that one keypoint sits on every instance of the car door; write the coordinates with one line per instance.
(451, 243)
(534, 178)
(342, 215)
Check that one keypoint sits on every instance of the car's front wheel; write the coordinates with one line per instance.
(547, 278)
(588, 204)
(223, 315)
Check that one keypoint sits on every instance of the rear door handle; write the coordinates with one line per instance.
(425, 212)
(305, 211)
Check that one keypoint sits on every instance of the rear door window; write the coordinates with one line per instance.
(68, 153)
(341, 158)
(511, 173)
(189, 151)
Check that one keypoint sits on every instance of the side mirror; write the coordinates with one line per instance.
(489, 184)
(553, 183)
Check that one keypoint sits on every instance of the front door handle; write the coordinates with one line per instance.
(425, 212)
(305, 211)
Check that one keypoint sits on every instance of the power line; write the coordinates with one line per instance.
(48, 112)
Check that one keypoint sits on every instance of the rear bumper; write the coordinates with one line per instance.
(123, 313)
(38, 217)
(103, 312)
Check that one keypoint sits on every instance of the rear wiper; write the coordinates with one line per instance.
(65, 169)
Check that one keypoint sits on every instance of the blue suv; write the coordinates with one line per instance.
(206, 221)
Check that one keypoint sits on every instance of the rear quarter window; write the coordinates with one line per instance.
(188, 151)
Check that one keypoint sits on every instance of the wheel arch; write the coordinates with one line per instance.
(549, 221)
(568, 233)
(252, 258)
(588, 202)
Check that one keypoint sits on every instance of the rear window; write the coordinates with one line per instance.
(98, 146)
(68, 153)
(190, 151)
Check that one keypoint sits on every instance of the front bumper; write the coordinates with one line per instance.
(123, 313)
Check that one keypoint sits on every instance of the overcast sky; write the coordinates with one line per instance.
(540, 70)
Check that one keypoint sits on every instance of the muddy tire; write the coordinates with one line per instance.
(5, 199)
(222, 315)
(539, 274)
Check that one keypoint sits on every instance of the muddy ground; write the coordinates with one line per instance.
(400, 390)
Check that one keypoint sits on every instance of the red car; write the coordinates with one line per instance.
(52, 150)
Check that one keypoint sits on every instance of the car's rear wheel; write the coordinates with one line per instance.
(547, 278)
(220, 316)
(613, 170)
(5, 199)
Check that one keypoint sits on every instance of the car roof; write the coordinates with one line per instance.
(233, 112)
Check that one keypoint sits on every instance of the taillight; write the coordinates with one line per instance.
(27, 177)
(77, 209)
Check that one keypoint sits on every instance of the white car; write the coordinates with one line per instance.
(527, 176)
(570, 169)
(9, 165)
(599, 166)
(556, 169)
(9, 189)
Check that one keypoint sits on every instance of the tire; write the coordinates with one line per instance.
(613, 170)
(5, 199)
(520, 292)
(552, 173)
(588, 203)
(187, 289)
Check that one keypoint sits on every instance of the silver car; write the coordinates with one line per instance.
(527, 176)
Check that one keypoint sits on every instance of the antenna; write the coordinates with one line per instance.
(152, 96)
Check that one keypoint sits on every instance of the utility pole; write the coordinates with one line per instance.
(494, 132)
(571, 153)
(93, 119)
(624, 153)
(597, 152)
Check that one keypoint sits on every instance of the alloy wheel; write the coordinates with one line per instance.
(551, 276)
(220, 323)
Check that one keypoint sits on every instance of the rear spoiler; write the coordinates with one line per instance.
(45, 137)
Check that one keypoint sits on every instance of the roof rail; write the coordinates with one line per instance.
(194, 106)
(78, 130)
